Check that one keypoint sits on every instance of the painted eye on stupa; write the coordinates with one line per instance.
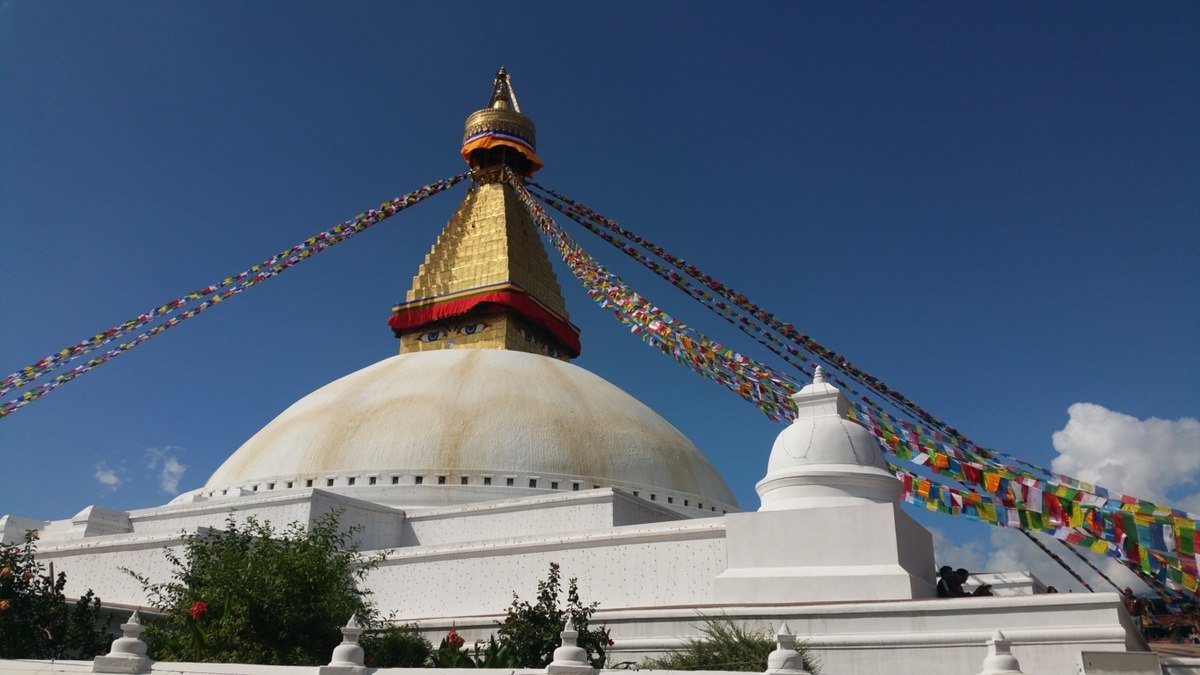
(472, 328)
(551, 350)
(527, 334)
(432, 336)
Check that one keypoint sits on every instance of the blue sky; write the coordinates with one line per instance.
(992, 207)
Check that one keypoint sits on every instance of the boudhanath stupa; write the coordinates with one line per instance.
(480, 453)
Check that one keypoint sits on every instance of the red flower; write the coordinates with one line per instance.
(199, 610)
(4, 605)
(454, 640)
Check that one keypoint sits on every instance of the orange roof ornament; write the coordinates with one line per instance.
(499, 135)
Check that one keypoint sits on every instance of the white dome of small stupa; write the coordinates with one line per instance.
(824, 459)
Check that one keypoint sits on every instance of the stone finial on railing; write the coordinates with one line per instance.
(347, 656)
(999, 659)
(785, 660)
(570, 658)
(128, 652)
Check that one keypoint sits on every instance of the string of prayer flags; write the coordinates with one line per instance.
(211, 294)
(804, 341)
(769, 390)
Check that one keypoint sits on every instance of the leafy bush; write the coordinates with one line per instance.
(726, 645)
(250, 594)
(396, 647)
(531, 632)
(490, 654)
(35, 620)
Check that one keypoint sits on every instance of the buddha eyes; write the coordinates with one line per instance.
(440, 333)
(527, 334)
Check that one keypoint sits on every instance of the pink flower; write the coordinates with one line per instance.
(199, 610)
(454, 640)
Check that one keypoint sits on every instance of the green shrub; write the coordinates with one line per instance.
(490, 654)
(250, 594)
(396, 647)
(726, 645)
(36, 622)
(531, 632)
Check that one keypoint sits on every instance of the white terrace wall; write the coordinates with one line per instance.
(660, 564)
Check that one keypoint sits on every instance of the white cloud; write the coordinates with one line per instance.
(107, 477)
(170, 469)
(168, 478)
(1144, 458)
(946, 552)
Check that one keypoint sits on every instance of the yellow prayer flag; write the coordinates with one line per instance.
(1100, 546)
(1075, 519)
(987, 513)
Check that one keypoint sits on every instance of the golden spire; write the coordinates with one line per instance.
(487, 282)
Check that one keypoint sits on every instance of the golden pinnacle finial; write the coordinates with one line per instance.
(504, 97)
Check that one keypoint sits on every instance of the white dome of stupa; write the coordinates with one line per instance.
(462, 425)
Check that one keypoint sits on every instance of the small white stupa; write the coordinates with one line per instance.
(830, 526)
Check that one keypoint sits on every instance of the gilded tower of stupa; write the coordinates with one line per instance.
(487, 282)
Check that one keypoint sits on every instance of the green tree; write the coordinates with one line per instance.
(250, 594)
(726, 645)
(531, 632)
(36, 621)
